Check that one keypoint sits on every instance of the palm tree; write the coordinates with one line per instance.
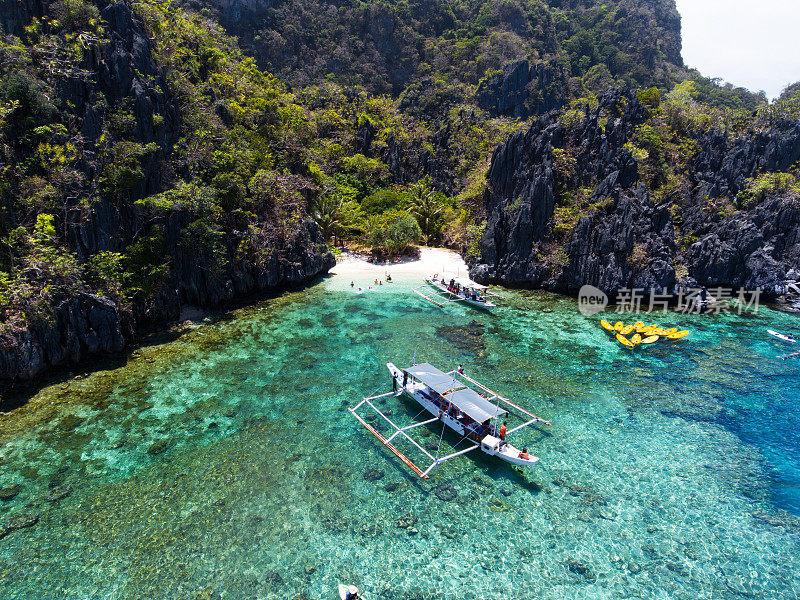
(326, 214)
(426, 207)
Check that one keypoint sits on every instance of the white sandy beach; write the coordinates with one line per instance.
(350, 267)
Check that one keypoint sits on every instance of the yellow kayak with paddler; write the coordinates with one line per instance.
(618, 326)
(650, 339)
(636, 339)
(627, 330)
(606, 325)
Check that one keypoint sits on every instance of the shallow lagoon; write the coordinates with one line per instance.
(225, 465)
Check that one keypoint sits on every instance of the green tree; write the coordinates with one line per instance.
(326, 213)
(393, 231)
(427, 208)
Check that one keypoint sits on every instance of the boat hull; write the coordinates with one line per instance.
(781, 336)
(416, 391)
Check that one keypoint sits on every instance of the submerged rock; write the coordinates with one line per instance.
(58, 493)
(407, 521)
(19, 522)
(393, 486)
(373, 474)
(463, 337)
(158, 447)
(445, 493)
(581, 569)
(206, 594)
(10, 491)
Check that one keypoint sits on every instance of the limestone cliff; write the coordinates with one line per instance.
(624, 239)
(118, 71)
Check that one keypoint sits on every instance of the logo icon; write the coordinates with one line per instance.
(591, 300)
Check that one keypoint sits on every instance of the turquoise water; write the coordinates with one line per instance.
(225, 465)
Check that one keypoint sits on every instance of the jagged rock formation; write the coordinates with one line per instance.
(624, 240)
(82, 326)
(755, 248)
(524, 89)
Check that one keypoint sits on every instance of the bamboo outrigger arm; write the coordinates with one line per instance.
(389, 445)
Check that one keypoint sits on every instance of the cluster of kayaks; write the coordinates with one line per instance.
(643, 335)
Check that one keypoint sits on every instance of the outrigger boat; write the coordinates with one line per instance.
(453, 288)
(450, 400)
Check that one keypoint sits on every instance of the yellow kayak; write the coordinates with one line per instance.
(606, 325)
(618, 326)
(678, 335)
(670, 331)
(636, 339)
(638, 325)
(650, 339)
(659, 331)
(624, 341)
(626, 330)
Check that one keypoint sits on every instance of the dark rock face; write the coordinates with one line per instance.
(759, 246)
(86, 325)
(602, 244)
(524, 89)
(407, 165)
(83, 325)
(758, 249)
(625, 240)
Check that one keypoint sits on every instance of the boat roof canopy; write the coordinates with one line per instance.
(476, 406)
(466, 399)
(434, 378)
(462, 281)
(468, 283)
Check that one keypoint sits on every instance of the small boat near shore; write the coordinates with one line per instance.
(454, 288)
(349, 592)
(782, 336)
(449, 398)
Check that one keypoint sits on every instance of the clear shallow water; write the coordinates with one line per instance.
(224, 464)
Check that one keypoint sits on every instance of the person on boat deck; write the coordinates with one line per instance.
(502, 433)
(461, 369)
(352, 284)
(352, 593)
(524, 454)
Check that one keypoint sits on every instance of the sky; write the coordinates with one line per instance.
(750, 43)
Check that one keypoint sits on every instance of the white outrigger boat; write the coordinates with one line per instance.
(457, 406)
(453, 288)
